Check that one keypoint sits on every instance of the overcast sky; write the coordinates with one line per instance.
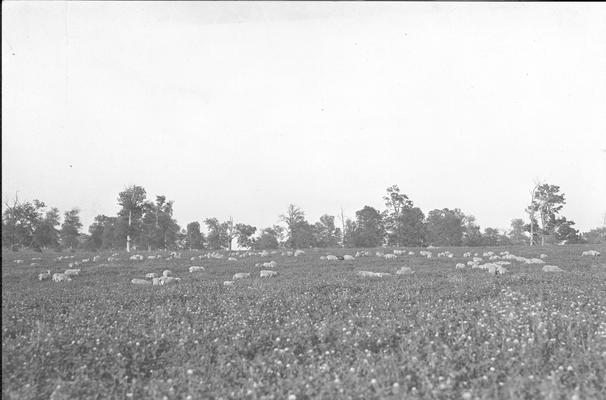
(242, 108)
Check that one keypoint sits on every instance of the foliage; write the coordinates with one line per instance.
(70, 228)
(403, 222)
(194, 238)
(244, 234)
(445, 227)
(368, 230)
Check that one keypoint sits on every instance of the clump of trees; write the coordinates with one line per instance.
(141, 223)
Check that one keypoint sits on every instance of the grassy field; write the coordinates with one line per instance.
(315, 331)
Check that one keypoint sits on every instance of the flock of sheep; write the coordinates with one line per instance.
(495, 264)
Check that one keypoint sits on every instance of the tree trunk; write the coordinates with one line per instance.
(128, 233)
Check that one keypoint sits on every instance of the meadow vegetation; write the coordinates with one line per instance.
(317, 330)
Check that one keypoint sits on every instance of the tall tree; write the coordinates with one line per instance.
(445, 227)
(325, 232)
(244, 233)
(403, 221)
(547, 201)
(269, 239)
(19, 223)
(194, 237)
(370, 231)
(217, 234)
(516, 234)
(132, 201)
(70, 228)
(47, 235)
(564, 232)
(472, 235)
(295, 221)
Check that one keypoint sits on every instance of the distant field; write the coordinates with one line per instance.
(315, 331)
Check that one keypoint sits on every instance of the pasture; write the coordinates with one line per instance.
(316, 330)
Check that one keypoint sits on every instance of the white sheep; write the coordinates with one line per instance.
(331, 258)
(58, 277)
(411, 253)
(240, 275)
(166, 273)
(167, 280)
(390, 256)
(459, 266)
(552, 268)
(232, 259)
(404, 271)
(156, 281)
(299, 253)
(370, 274)
(322, 257)
(348, 257)
(534, 261)
(543, 256)
(228, 283)
(72, 272)
(591, 253)
(379, 254)
(151, 275)
(44, 276)
(140, 282)
(267, 274)
(195, 268)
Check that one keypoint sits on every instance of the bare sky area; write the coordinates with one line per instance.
(242, 108)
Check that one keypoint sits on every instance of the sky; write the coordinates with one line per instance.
(239, 109)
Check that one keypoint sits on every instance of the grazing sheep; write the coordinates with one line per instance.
(299, 253)
(240, 275)
(96, 258)
(58, 277)
(156, 281)
(167, 280)
(86, 260)
(264, 253)
(468, 254)
(459, 266)
(166, 273)
(136, 257)
(271, 264)
(404, 271)
(543, 256)
(534, 261)
(411, 253)
(379, 254)
(72, 271)
(195, 268)
(552, 268)
(331, 258)
(347, 257)
(36, 259)
(267, 274)
(151, 275)
(495, 269)
(390, 256)
(44, 276)
(34, 265)
(322, 257)
(369, 274)
(398, 252)
(477, 259)
(140, 282)
(591, 253)
(228, 283)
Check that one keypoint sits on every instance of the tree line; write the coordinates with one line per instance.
(145, 224)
